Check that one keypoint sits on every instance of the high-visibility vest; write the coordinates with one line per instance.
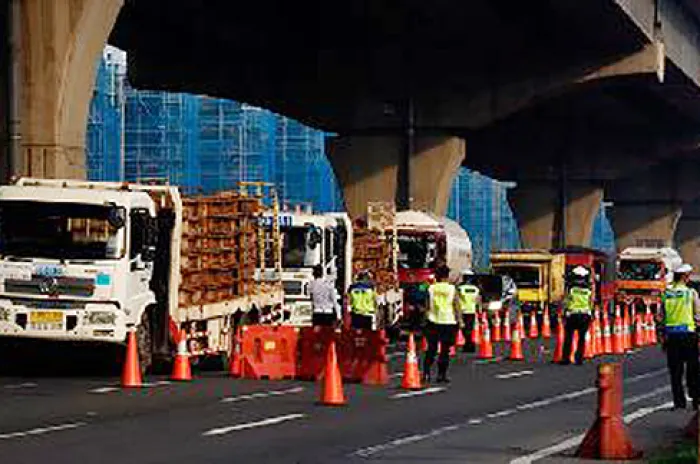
(679, 314)
(467, 298)
(441, 310)
(579, 300)
(362, 301)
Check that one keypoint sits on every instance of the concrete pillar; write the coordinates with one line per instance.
(60, 44)
(688, 240)
(536, 206)
(367, 168)
(644, 224)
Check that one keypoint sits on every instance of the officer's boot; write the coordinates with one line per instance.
(442, 372)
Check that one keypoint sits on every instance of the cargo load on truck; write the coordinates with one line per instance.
(88, 261)
(644, 273)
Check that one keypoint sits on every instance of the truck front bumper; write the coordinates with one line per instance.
(99, 322)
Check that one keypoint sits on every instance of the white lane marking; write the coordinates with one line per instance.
(574, 441)
(426, 391)
(42, 430)
(515, 374)
(398, 374)
(489, 361)
(109, 389)
(17, 386)
(258, 395)
(250, 425)
(644, 396)
(371, 450)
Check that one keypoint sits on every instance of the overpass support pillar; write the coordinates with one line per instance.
(644, 223)
(551, 216)
(688, 240)
(60, 42)
(367, 169)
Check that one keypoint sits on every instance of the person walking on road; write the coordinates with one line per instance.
(679, 324)
(578, 307)
(363, 301)
(469, 303)
(324, 300)
(443, 322)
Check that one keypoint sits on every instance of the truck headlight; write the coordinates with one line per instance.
(100, 318)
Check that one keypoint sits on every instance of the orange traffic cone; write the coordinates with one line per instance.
(652, 331)
(574, 348)
(618, 342)
(533, 325)
(234, 367)
(485, 347)
(559, 349)
(496, 336)
(131, 372)
(507, 329)
(588, 349)
(626, 335)
(639, 331)
(598, 348)
(647, 326)
(411, 374)
(516, 346)
(181, 367)
(476, 332)
(332, 383)
(546, 324)
(460, 339)
(607, 336)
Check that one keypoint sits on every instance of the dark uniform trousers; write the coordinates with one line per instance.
(467, 331)
(445, 335)
(576, 322)
(360, 321)
(682, 355)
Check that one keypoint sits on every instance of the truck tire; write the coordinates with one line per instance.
(144, 342)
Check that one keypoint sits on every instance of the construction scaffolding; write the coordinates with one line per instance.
(304, 174)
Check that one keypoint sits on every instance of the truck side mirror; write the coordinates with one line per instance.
(116, 217)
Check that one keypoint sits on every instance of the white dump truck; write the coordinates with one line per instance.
(87, 261)
(643, 273)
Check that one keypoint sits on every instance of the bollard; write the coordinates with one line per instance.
(607, 438)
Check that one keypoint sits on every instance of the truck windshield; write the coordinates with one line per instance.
(639, 270)
(414, 252)
(523, 276)
(293, 247)
(32, 229)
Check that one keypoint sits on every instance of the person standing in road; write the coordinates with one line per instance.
(324, 300)
(363, 301)
(680, 319)
(443, 322)
(578, 307)
(469, 303)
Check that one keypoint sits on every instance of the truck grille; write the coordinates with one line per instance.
(292, 287)
(38, 285)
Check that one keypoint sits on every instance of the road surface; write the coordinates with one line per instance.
(498, 412)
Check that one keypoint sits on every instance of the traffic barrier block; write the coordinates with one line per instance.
(363, 356)
(269, 352)
(313, 348)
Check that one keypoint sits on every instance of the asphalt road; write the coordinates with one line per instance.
(498, 412)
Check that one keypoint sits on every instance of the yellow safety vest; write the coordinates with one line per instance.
(579, 300)
(467, 298)
(442, 295)
(362, 301)
(679, 315)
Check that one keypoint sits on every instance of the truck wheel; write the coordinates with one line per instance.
(145, 343)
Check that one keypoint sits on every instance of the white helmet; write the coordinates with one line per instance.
(684, 268)
(580, 271)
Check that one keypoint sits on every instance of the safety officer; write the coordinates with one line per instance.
(324, 300)
(469, 303)
(679, 323)
(578, 306)
(443, 322)
(363, 301)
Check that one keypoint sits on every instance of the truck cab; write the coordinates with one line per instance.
(75, 262)
(309, 240)
(644, 273)
(602, 271)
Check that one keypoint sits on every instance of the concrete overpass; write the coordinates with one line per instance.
(563, 96)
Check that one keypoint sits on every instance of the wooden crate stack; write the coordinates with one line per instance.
(374, 245)
(219, 248)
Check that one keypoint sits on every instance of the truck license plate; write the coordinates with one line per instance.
(47, 320)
